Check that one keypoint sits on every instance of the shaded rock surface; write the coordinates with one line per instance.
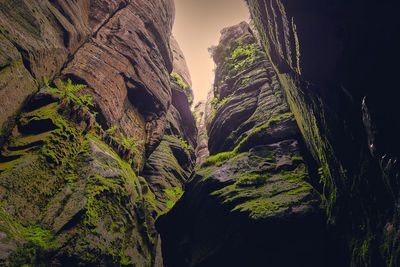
(120, 49)
(180, 66)
(68, 198)
(331, 59)
(251, 202)
(202, 137)
(247, 92)
(170, 165)
(82, 184)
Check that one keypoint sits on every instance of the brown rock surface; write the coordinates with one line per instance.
(251, 202)
(120, 49)
(180, 66)
(202, 138)
(36, 40)
(247, 92)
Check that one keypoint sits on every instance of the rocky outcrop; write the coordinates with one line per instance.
(86, 169)
(170, 165)
(251, 203)
(202, 152)
(94, 43)
(330, 59)
(246, 91)
(180, 66)
(68, 198)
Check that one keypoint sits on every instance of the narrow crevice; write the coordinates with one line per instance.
(25, 58)
(5, 66)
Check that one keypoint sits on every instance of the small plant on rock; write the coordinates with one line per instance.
(129, 143)
(68, 91)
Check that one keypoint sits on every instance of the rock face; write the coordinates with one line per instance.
(86, 170)
(202, 152)
(246, 91)
(94, 43)
(251, 202)
(180, 66)
(330, 58)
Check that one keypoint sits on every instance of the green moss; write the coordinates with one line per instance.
(219, 159)
(43, 113)
(111, 216)
(174, 195)
(186, 88)
(245, 81)
(297, 158)
(223, 101)
(98, 188)
(309, 113)
(238, 57)
(363, 250)
(253, 180)
(259, 129)
(5, 166)
(34, 242)
(263, 195)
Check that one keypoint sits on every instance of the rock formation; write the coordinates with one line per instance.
(335, 62)
(251, 202)
(202, 152)
(86, 170)
(294, 160)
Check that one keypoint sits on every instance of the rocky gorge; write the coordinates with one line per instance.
(105, 159)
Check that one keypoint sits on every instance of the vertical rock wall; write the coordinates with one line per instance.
(250, 203)
(335, 62)
(82, 184)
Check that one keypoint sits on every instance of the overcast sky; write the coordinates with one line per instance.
(197, 26)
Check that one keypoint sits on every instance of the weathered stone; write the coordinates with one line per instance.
(202, 137)
(63, 180)
(242, 206)
(243, 212)
(331, 58)
(180, 66)
(252, 94)
(38, 38)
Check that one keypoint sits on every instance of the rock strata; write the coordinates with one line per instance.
(86, 169)
(250, 202)
(330, 58)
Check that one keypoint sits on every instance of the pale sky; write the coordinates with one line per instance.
(197, 26)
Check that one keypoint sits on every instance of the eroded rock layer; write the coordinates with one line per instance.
(336, 63)
(86, 169)
(251, 202)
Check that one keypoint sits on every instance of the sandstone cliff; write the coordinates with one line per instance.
(294, 160)
(335, 61)
(86, 170)
(251, 199)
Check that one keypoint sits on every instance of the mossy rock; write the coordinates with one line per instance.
(70, 184)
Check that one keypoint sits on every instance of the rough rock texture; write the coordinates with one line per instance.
(337, 67)
(246, 91)
(180, 66)
(68, 198)
(120, 49)
(82, 184)
(202, 152)
(251, 205)
(170, 165)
